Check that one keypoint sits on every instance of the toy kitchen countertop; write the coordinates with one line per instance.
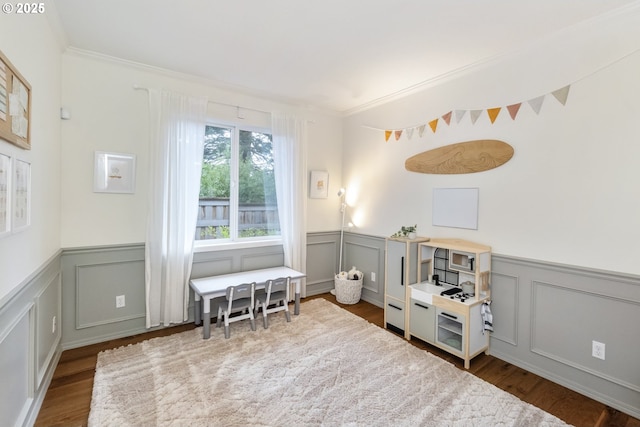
(426, 291)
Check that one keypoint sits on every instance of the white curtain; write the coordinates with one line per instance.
(175, 162)
(290, 162)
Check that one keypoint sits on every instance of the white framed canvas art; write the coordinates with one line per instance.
(21, 213)
(5, 195)
(114, 172)
(319, 185)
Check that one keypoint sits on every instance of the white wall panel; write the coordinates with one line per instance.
(48, 326)
(31, 47)
(567, 194)
(109, 115)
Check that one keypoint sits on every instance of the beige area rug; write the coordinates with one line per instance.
(327, 367)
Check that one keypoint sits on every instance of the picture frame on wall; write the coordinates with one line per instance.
(114, 172)
(21, 196)
(319, 185)
(15, 105)
(5, 195)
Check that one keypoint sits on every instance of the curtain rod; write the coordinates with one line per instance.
(237, 107)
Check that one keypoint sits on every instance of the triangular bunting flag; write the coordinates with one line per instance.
(409, 132)
(493, 113)
(513, 110)
(536, 103)
(460, 114)
(562, 94)
(447, 118)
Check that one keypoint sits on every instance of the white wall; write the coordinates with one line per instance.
(109, 115)
(32, 47)
(569, 194)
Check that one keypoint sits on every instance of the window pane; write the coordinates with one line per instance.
(213, 217)
(257, 205)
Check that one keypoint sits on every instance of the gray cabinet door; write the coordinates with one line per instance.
(395, 311)
(396, 264)
(423, 317)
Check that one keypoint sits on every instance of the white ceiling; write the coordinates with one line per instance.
(338, 55)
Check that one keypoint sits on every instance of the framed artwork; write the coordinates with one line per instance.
(15, 105)
(114, 173)
(21, 216)
(5, 195)
(319, 185)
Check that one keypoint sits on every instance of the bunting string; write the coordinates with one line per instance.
(561, 95)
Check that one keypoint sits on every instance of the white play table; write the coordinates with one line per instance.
(207, 288)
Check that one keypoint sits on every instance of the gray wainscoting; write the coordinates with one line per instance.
(322, 261)
(546, 317)
(367, 254)
(364, 252)
(93, 278)
(30, 333)
(223, 262)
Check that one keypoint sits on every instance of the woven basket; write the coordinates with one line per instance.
(348, 291)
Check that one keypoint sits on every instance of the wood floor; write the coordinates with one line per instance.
(68, 399)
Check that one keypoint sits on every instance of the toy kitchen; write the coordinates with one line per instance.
(447, 300)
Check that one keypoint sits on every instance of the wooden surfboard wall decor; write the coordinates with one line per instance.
(463, 157)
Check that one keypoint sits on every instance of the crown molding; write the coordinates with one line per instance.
(286, 103)
(582, 26)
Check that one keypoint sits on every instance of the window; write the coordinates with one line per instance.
(237, 186)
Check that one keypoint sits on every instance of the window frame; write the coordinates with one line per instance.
(234, 241)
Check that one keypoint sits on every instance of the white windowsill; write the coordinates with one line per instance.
(225, 246)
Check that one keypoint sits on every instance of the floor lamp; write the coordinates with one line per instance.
(343, 208)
